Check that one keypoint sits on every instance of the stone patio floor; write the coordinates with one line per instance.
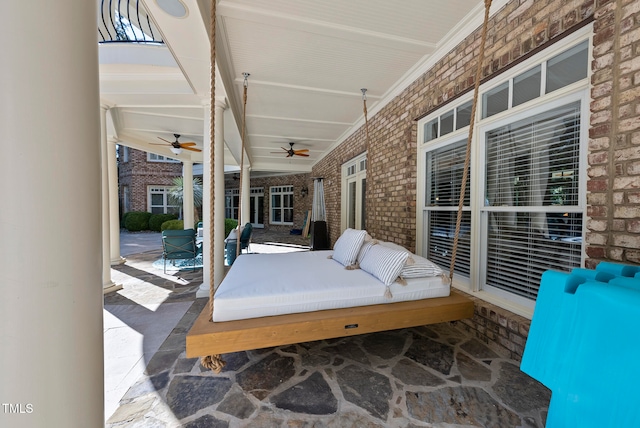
(429, 376)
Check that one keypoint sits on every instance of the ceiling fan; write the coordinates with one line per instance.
(291, 152)
(176, 146)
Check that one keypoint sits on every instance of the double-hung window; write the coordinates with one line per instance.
(158, 197)
(281, 205)
(525, 198)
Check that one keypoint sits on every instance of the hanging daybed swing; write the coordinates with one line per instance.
(208, 339)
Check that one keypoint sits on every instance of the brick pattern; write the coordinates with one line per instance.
(614, 136)
(503, 331)
(300, 203)
(519, 29)
(138, 174)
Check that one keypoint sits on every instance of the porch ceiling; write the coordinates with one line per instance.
(307, 60)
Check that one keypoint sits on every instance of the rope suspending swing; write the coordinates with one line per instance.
(213, 362)
(366, 120)
(467, 159)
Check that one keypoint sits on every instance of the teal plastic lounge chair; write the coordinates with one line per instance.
(180, 245)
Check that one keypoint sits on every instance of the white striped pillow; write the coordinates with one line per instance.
(416, 266)
(346, 248)
(384, 263)
(421, 268)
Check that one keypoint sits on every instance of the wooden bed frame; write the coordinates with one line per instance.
(209, 338)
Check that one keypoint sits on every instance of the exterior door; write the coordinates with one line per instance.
(256, 207)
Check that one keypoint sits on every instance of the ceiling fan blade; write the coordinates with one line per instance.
(159, 144)
(300, 151)
(192, 149)
(165, 140)
(188, 143)
(302, 154)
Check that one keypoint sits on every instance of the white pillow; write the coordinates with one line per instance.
(364, 249)
(384, 263)
(346, 248)
(393, 245)
(416, 266)
(421, 268)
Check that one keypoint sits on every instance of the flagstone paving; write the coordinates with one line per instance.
(429, 376)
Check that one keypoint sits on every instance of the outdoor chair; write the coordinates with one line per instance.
(180, 245)
(232, 240)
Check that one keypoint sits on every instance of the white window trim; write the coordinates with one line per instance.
(495, 295)
(165, 192)
(164, 159)
(579, 90)
(344, 180)
(273, 192)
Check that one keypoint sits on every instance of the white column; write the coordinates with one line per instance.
(187, 194)
(107, 283)
(51, 358)
(114, 203)
(218, 256)
(246, 194)
(203, 291)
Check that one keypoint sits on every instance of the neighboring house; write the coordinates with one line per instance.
(144, 179)
(277, 202)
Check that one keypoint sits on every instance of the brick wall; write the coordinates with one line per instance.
(138, 174)
(300, 203)
(504, 332)
(519, 29)
(613, 197)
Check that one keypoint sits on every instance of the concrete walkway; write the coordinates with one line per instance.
(432, 376)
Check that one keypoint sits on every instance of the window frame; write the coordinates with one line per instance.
(154, 157)
(284, 190)
(578, 90)
(483, 211)
(354, 171)
(164, 191)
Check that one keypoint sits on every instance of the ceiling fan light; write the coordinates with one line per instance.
(176, 150)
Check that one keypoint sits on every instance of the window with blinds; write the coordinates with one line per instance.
(532, 216)
(443, 184)
(528, 205)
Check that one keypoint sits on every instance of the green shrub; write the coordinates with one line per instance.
(156, 220)
(229, 225)
(136, 221)
(124, 218)
(172, 225)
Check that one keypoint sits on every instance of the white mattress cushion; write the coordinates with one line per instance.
(384, 263)
(346, 248)
(259, 285)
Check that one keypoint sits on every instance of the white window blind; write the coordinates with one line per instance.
(444, 181)
(532, 216)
